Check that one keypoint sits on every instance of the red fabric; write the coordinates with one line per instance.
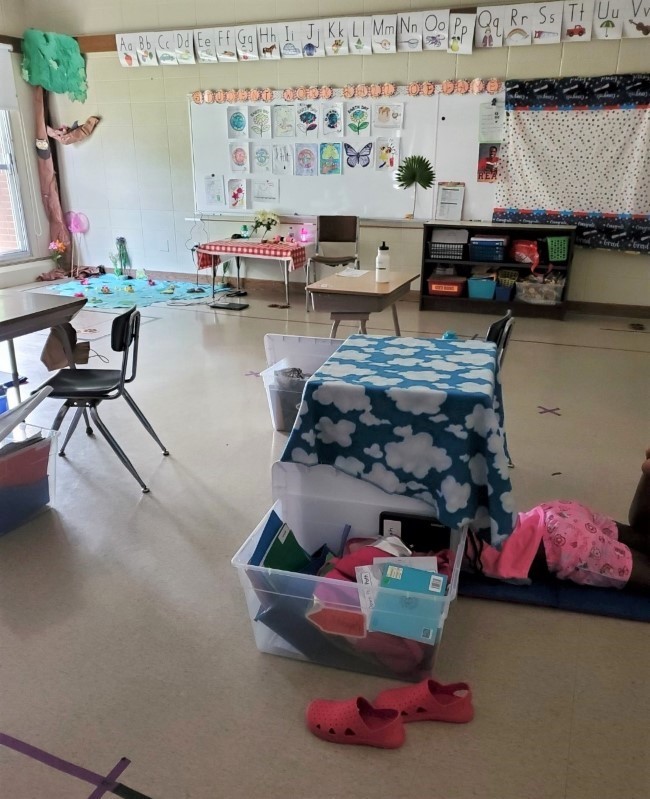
(205, 260)
(296, 252)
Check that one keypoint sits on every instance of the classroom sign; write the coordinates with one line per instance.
(516, 25)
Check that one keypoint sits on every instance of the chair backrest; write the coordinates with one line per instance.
(497, 329)
(125, 336)
(505, 338)
(499, 333)
(337, 229)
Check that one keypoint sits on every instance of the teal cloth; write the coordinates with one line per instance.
(142, 295)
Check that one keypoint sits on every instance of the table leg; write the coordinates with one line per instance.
(395, 320)
(14, 367)
(285, 264)
(238, 291)
(214, 275)
(362, 326)
(335, 327)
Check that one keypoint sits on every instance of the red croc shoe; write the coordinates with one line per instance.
(355, 721)
(430, 701)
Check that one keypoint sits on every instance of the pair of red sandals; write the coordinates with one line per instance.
(381, 724)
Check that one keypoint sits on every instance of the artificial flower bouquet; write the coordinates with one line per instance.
(57, 248)
(266, 220)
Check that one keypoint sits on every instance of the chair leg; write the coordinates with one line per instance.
(335, 327)
(145, 422)
(307, 265)
(89, 430)
(116, 448)
(362, 327)
(71, 429)
(58, 419)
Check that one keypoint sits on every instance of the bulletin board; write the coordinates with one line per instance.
(365, 191)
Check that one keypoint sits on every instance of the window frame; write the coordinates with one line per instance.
(8, 164)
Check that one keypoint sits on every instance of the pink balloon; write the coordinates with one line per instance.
(76, 222)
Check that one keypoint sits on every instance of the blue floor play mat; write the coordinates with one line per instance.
(561, 595)
(109, 291)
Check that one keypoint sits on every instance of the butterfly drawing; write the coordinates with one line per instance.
(360, 157)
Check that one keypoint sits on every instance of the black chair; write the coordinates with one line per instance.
(499, 333)
(84, 389)
(333, 230)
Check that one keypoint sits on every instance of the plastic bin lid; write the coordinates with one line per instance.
(12, 418)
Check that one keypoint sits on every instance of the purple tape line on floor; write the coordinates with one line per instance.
(103, 784)
(109, 781)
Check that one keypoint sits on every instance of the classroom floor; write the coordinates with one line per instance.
(123, 628)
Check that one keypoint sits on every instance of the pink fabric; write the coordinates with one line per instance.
(583, 546)
(296, 254)
(514, 559)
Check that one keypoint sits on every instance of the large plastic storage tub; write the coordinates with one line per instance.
(317, 502)
(306, 353)
(27, 475)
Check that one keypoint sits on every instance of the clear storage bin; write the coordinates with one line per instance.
(306, 353)
(317, 502)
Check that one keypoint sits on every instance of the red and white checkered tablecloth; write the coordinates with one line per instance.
(297, 253)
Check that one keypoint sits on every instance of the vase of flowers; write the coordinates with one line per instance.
(265, 221)
(57, 248)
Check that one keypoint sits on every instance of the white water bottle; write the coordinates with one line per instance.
(382, 264)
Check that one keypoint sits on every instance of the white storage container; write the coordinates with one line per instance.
(306, 353)
(27, 474)
(317, 502)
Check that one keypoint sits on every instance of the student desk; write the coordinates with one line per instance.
(23, 312)
(417, 417)
(291, 256)
(355, 297)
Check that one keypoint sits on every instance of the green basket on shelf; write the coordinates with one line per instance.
(508, 277)
(558, 248)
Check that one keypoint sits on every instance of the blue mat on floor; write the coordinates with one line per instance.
(122, 292)
(561, 595)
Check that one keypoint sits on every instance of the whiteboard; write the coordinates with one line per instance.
(456, 157)
(364, 192)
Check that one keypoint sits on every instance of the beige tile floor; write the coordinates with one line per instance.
(123, 629)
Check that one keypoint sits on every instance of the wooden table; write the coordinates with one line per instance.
(23, 312)
(356, 298)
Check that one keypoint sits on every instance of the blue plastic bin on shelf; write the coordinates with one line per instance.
(503, 293)
(480, 288)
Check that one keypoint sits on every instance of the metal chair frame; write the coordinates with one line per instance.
(336, 260)
(85, 405)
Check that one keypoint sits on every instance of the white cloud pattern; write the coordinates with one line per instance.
(300, 456)
(351, 466)
(416, 454)
(455, 494)
(417, 399)
(331, 432)
(386, 480)
(457, 430)
(344, 396)
(375, 451)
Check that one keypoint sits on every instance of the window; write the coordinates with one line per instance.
(13, 236)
